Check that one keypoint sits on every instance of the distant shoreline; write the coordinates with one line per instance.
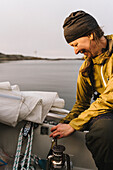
(14, 57)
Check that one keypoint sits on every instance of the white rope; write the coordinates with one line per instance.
(18, 151)
(30, 148)
(27, 151)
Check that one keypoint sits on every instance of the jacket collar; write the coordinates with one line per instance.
(100, 59)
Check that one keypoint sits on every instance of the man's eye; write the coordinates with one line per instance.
(76, 45)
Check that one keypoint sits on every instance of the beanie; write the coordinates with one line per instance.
(78, 24)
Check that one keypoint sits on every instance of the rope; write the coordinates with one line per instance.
(17, 156)
(27, 151)
(30, 148)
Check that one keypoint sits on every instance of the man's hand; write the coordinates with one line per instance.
(61, 130)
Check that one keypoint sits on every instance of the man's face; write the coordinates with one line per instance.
(83, 45)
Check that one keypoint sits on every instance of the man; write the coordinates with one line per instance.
(83, 33)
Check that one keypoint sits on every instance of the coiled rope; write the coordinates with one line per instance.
(27, 155)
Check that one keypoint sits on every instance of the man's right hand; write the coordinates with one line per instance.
(61, 130)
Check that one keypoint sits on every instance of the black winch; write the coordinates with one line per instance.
(56, 159)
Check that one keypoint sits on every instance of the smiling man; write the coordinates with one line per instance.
(83, 33)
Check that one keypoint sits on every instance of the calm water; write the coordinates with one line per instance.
(59, 76)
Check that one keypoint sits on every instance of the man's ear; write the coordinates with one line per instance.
(91, 36)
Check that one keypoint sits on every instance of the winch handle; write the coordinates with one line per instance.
(55, 139)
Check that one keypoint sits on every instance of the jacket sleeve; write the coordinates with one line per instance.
(102, 105)
(83, 99)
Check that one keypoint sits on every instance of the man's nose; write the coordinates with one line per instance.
(76, 50)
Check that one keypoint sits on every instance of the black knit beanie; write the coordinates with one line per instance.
(78, 24)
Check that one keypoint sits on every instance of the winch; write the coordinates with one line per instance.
(57, 159)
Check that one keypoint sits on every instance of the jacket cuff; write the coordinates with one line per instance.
(64, 121)
(73, 125)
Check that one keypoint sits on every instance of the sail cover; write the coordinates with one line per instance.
(16, 105)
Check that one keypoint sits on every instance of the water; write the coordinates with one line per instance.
(43, 75)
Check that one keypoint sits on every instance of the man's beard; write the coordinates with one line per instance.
(86, 53)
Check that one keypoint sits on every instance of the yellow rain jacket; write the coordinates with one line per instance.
(83, 110)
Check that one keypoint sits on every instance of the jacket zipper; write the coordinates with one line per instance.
(103, 76)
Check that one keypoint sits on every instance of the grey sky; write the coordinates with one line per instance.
(34, 27)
